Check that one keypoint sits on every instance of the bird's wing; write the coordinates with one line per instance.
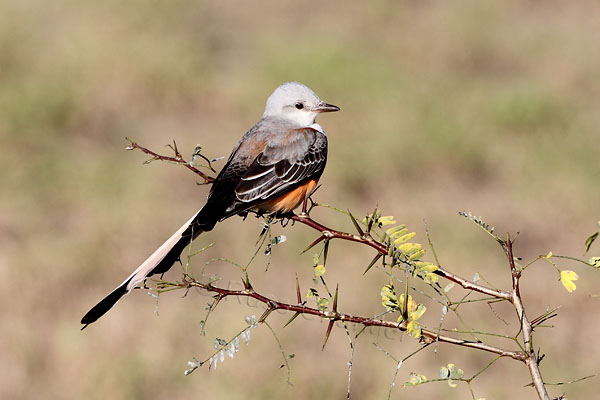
(301, 155)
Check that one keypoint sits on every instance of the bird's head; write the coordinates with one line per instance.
(295, 102)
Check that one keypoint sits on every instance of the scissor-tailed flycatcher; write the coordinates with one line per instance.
(273, 169)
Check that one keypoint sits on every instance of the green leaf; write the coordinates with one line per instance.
(322, 303)
(595, 262)
(315, 259)
(444, 373)
(415, 379)
(451, 373)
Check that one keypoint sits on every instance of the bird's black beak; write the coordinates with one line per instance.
(324, 107)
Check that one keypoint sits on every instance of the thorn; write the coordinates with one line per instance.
(371, 220)
(266, 313)
(247, 284)
(405, 305)
(329, 327)
(360, 231)
(360, 332)
(291, 319)
(325, 251)
(335, 299)
(373, 261)
(319, 239)
(298, 290)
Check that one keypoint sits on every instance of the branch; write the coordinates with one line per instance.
(177, 159)
(272, 305)
(515, 298)
(328, 233)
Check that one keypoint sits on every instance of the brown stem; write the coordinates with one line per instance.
(272, 305)
(329, 233)
(178, 159)
(530, 356)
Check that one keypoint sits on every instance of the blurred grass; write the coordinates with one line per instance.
(490, 107)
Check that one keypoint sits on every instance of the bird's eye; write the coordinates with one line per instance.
(299, 106)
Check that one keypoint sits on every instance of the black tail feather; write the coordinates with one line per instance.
(204, 221)
(105, 304)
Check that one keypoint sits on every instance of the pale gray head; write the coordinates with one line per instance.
(297, 103)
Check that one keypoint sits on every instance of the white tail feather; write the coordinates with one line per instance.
(151, 262)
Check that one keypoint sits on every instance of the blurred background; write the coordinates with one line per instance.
(486, 106)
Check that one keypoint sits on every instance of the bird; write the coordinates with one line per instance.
(273, 169)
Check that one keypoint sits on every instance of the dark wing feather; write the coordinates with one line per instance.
(273, 173)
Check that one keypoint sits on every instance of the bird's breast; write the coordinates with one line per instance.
(289, 201)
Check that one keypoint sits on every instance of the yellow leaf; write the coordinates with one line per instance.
(414, 329)
(396, 231)
(404, 238)
(547, 256)
(418, 313)
(417, 255)
(409, 248)
(386, 220)
(426, 267)
(567, 278)
(431, 278)
(319, 270)
(388, 297)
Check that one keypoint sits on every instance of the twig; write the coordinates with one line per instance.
(177, 159)
(530, 359)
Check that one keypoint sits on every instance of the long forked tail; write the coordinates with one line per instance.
(159, 262)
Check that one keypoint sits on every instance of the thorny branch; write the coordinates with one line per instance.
(365, 238)
(528, 356)
(273, 305)
(177, 159)
(531, 360)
